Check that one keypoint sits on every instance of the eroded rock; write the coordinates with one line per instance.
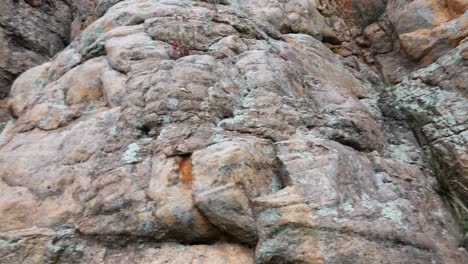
(32, 31)
(256, 144)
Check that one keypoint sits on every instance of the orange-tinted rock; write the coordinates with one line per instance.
(457, 6)
(256, 144)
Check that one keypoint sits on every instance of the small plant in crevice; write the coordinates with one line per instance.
(389, 84)
(301, 30)
(453, 187)
(335, 50)
(182, 44)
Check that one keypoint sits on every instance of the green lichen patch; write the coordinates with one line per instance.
(10, 240)
(389, 210)
(327, 212)
(53, 248)
(130, 155)
(271, 214)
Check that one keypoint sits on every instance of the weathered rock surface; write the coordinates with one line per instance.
(433, 100)
(32, 31)
(339, 200)
(67, 246)
(227, 132)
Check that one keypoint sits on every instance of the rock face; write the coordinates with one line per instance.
(229, 132)
(32, 31)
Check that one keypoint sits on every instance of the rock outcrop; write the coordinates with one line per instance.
(175, 131)
(32, 31)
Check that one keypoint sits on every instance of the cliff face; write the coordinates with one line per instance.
(242, 131)
(32, 31)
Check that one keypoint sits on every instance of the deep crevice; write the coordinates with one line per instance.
(281, 178)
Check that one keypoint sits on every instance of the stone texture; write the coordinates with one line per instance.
(338, 200)
(434, 100)
(228, 208)
(257, 145)
(428, 29)
(32, 31)
(379, 39)
(428, 45)
(68, 246)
